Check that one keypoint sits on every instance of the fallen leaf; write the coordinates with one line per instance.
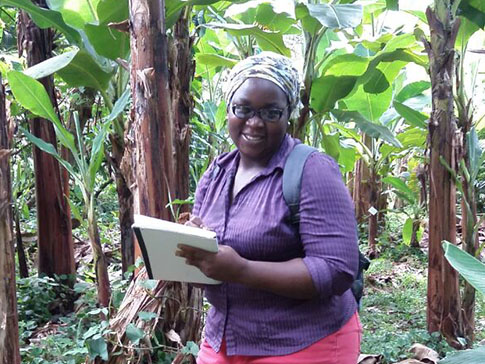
(425, 354)
(370, 359)
(173, 336)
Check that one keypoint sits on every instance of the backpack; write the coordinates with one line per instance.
(292, 173)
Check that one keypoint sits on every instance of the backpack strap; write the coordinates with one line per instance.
(292, 173)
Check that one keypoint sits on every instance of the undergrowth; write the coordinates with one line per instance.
(58, 324)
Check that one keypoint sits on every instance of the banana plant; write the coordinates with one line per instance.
(412, 228)
(87, 160)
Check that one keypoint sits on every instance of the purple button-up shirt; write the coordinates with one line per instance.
(256, 225)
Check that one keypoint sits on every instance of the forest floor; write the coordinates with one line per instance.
(393, 309)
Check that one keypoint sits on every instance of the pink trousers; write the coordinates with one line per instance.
(341, 347)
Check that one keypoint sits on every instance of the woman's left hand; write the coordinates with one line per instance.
(225, 265)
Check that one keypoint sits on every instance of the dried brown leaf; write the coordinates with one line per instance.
(425, 354)
(173, 336)
(370, 359)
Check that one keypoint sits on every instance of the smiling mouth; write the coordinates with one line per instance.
(253, 138)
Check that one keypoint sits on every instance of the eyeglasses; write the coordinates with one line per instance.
(270, 114)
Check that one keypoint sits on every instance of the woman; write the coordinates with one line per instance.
(285, 294)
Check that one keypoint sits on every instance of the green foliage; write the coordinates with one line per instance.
(473, 271)
(393, 308)
(51, 65)
(469, 267)
(45, 18)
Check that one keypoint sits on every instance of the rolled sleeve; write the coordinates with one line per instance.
(327, 227)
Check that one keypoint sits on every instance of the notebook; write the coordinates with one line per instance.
(158, 240)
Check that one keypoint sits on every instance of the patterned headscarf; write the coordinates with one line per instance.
(269, 66)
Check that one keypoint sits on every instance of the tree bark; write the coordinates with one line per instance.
(125, 202)
(148, 164)
(361, 190)
(469, 217)
(9, 333)
(56, 250)
(444, 307)
(182, 69)
(151, 134)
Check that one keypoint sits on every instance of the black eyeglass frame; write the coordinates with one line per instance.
(258, 112)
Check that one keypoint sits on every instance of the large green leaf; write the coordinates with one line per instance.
(267, 15)
(331, 145)
(108, 42)
(413, 117)
(379, 132)
(32, 95)
(50, 149)
(327, 90)
(308, 22)
(211, 59)
(475, 153)
(400, 186)
(392, 4)
(45, 18)
(468, 266)
(76, 13)
(336, 16)
(412, 89)
(473, 10)
(378, 82)
(403, 41)
(267, 40)
(112, 11)
(346, 65)
(412, 137)
(372, 106)
(374, 130)
(347, 157)
(84, 71)
(466, 30)
(407, 231)
(120, 105)
(473, 356)
(51, 65)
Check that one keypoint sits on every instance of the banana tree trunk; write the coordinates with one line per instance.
(100, 264)
(444, 306)
(149, 163)
(125, 202)
(9, 332)
(182, 68)
(56, 249)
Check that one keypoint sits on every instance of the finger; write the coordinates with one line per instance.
(196, 220)
(190, 223)
(179, 253)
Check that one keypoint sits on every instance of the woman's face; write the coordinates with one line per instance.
(256, 138)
